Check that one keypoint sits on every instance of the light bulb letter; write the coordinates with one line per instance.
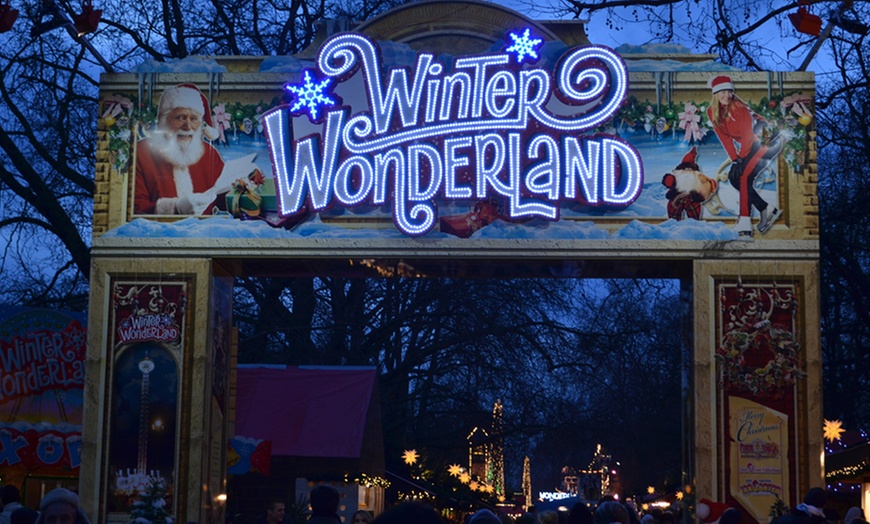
(479, 64)
(420, 219)
(623, 174)
(490, 146)
(345, 181)
(315, 169)
(452, 163)
(383, 161)
(518, 208)
(533, 93)
(581, 167)
(399, 95)
(544, 177)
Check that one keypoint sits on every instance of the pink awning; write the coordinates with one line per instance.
(305, 412)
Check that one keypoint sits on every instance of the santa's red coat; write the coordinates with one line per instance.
(154, 178)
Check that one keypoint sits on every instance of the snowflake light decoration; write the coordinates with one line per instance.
(524, 45)
(311, 95)
(833, 429)
(410, 456)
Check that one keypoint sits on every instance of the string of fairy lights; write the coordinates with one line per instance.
(847, 478)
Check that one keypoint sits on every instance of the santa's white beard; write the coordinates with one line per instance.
(179, 153)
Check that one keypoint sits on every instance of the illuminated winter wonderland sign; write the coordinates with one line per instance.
(554, 495)
(485, 126)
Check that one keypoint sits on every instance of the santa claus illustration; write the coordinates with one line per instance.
(176, 169)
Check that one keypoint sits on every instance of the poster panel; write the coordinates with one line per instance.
(42, 354)
(759, 450)
(147, 341)
(759, 363)
(374, 135)
(221, 304)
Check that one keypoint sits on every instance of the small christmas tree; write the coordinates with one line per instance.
(151, 506)
(778, 509)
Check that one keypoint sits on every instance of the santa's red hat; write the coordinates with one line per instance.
(188, 96)
(721, 83)
(709, 511)
(691, 156)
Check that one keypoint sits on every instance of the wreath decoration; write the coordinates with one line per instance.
(756, 355)
(738, 356)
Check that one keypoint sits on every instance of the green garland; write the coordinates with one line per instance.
(133, 122)
(125, 122)
(663, 119)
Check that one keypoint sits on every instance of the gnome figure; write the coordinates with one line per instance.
(688, 188)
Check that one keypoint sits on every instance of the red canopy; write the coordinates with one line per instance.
(305, 411)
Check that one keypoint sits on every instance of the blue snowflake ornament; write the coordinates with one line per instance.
(524, 46)
(311, 95)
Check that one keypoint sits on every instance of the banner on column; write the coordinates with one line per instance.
(759, 364)
(42, 355)
(147, 345)
(759, 450)
(219, 364)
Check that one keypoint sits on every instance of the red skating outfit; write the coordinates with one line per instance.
(738, 127)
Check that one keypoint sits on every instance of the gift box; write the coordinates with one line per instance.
(250, 204)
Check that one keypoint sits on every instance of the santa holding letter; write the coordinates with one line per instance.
(176, 169)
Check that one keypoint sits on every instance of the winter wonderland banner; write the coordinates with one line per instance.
(532, 138)
(147, 347)
(42, 356)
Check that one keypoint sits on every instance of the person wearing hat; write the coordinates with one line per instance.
(610, 512)
(175, 168)
(61, 506)
(324, 500)
(484, 516)
(734, 124)
(11, 500)
(810, 511)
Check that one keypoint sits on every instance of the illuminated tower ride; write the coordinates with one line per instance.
(146, 366)
(495, 466)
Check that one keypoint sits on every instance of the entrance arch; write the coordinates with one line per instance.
(168, 279)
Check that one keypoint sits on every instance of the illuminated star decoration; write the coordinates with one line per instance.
(311, 95)
(455, 470)
(833, 429)
(524, 46)
(410, 456)
(465, 478)
(650, 490)
(680, 495)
